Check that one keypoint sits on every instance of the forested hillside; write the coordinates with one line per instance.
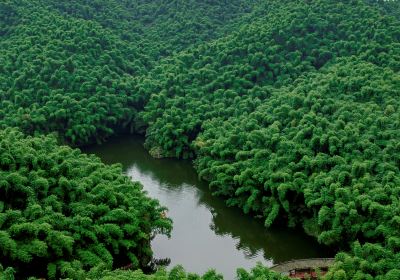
(161, 27)
(65, 75)
(234, 75)
(64, 212)
(290, 110)
(295, 117)
(66, 66)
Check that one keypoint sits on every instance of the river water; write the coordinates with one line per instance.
(206, 233)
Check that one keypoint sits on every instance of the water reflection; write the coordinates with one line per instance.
(206, 233)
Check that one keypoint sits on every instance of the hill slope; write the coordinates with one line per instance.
(295, 118)
(290, 109)
(63, 213)
(226, 78)
(161, 27)
(66, 67)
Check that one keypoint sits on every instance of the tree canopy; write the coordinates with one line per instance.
(295, 117)
(65, 212)
(70, 66)
(289, 109)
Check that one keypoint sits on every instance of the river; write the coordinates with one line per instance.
(206, 233)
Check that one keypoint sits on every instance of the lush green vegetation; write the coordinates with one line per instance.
(75, 74)
(160, 27)
(176, 273)
(296, 118)
(65, 212)
(289, 108)
(65, 75)
(234, 75)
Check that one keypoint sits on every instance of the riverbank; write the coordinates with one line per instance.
(223, 238)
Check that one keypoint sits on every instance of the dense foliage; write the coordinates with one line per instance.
(290, 109)
(64, 212)
(296, 117)
(160, 27)
(65, 69)
(176, 273)
(65, 75)
(234, 75)
(391, 7)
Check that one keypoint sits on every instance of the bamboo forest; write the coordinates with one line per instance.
(276, 115)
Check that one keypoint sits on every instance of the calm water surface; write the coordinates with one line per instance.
(206, 233)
